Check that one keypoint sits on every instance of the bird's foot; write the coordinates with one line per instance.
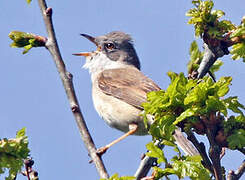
(102, 150)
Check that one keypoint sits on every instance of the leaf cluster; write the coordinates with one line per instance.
(189, 103)
(117, 177)
(185, 166)
(234, 129)
(238, 50)
(12, 154)
(181, 166)
(25, 40)
(205, 19)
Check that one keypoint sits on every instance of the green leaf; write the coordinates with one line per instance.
(26, 40)
(226, 26)
(216, 66)
(190, 167)
(159, 173)
(28, 1)
(232, 124)
(238, 51)
(116, 177)
(214, 104)
(196, 95)
(187, 113)
(223, 84)
(21, 133)
(237, 139)
(233, 104)
(205, 19)
(155, 152)
(13, 152)
(238, 32)
(195, 57)
(218, 13)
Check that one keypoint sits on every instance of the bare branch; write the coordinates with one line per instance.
(211, 54)
(144, 167)
(66, 78)
(146, 164)
(239, 172)
(215, 148)
(201, 149)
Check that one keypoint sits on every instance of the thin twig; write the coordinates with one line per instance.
(239, 172)
(215, 148)
(144, 167)
(211, 54)
(201, 149)
(146, 164)
(66, 78)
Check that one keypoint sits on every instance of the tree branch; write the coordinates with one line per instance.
(214, 149)
(66, 78)
(236, 175)
(211, 54)
(201, 149)
(146, 164)
(144, 167)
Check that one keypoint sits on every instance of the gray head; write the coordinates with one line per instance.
(116, 46)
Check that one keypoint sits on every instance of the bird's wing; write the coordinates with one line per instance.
(131, 86)
(127, 84)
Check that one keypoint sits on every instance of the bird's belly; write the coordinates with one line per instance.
(117, 113)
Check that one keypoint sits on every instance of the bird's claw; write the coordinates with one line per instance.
(101, 151)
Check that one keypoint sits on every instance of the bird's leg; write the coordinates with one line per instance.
(132, 129)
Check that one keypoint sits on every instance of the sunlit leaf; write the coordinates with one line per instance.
(155, 152)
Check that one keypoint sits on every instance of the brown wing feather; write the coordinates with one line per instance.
(127, 84)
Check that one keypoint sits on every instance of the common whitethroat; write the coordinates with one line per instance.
(119, 87)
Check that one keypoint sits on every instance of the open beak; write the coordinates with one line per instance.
(90, 38)
(82, 54)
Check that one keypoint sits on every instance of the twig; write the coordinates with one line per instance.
(201, 149)
(215, 149)
(211, 54)
(144, 167)
(236, 175)
(66, 78)
(146, 164)
(242, 150)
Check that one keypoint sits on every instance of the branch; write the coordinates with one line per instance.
(146, 164)
(214, 149)
(201, 149)
(66, 78)
(144, 167)
(239, 172)
(211, 54)
(29, 172)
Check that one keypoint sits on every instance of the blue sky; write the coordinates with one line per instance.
(32, 95)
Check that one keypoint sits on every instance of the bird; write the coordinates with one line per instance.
(119, 87)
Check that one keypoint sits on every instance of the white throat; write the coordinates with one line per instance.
(99, 62)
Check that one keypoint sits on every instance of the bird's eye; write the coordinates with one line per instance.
(109, 46)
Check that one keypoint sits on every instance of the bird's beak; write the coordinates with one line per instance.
(92, 39)
(82, 54)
